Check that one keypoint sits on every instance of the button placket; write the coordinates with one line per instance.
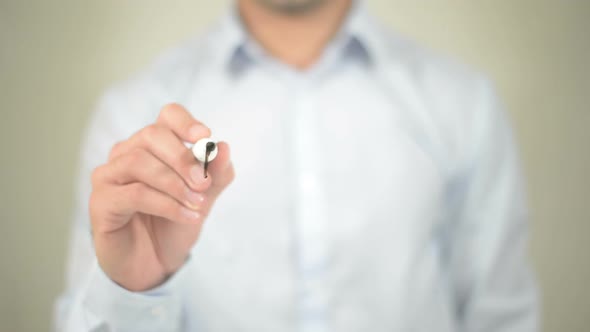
(309, 217)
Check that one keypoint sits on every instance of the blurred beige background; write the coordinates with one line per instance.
(56, 57)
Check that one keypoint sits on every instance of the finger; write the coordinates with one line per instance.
(141, 166)
(221, 169)
(181, 122)
(139, 197)
(166, 146)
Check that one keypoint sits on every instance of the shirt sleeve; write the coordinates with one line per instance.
(158, 309)
(494, 287)
(92, 301)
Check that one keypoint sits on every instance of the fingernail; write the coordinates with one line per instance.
(190, 214)
(194, 199)
(195, 131)
(197, 175)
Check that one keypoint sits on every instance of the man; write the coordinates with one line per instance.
(376, 188)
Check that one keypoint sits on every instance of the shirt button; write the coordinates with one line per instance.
(159, 311)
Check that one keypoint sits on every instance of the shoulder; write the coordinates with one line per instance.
(456, 101)
(432, 72)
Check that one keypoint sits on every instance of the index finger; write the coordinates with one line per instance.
(182, 123)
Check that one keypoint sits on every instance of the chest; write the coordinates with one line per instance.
(345, 141)
(330, 178)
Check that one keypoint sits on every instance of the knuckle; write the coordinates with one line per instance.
(169, 109)
(149, 133)
(136, 157)
(97, 175)
(115, 149)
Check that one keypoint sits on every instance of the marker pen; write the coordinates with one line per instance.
(205, 150)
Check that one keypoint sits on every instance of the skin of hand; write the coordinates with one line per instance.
(149, 201)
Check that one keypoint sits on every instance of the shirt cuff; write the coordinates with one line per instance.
(158, 309)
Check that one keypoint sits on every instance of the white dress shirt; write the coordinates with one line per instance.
(377, 191)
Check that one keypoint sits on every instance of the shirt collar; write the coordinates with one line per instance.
(236, 50)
